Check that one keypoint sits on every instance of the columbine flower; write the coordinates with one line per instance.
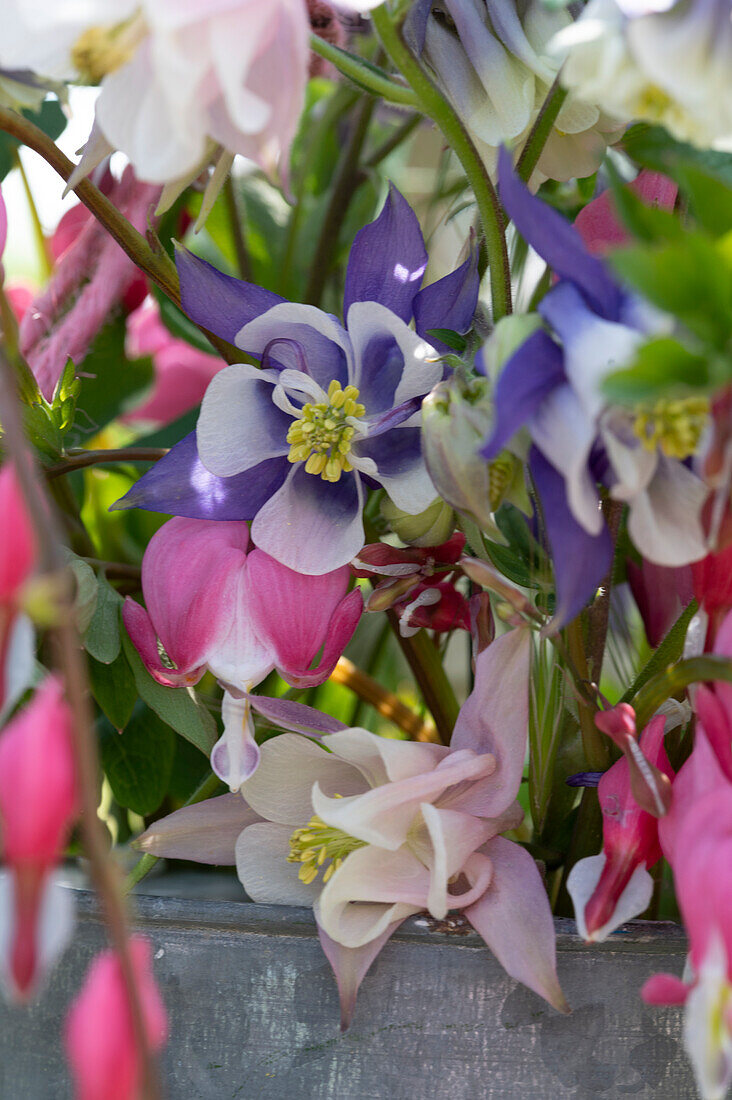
(668, 61)
(552, 384)
(99, 1033)
(613, 887)
(38, 802)
(293, 445)
(493, 62)
(215, 603)
(374, 830)
(18, 554)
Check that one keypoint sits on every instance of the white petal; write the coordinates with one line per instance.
(20, 663)
(665, 520)
(367, 320)
(238, 426)
(55, 926)
(707, 1037)
(564, 433)
(263, 870)
(235, 755)
(581, 883)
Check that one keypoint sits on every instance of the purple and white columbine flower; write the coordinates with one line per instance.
(332, 410)
(553, 385)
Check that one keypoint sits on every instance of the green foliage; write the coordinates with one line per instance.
(49, 118)
(102, 636)
(114, 689)
(138, 762)
(110, 382)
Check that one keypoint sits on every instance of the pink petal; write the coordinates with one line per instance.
(515, 920)
(18, 543)
(297, 615)
(381, 760)
(31, 941)
(495, 719)
(598, 223)
(451, 838)
(205, 832)
(138, 625)
(664, 989)
(350, 966)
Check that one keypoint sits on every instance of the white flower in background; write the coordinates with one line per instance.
(667, 61)
(491, 58)
(179, 81)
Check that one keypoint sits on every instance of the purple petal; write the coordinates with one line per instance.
(296, 717)
(581, 561)
(350, 965)
(318, 343)
(400, 467)
(388, 259)
(205, 833)
(382, 366)
(515, 920)
(449, 303)
(310, 525)
(219, 302)
(392, 418)
(557, 241)
(415, 25)
(531, 373)
(180, 485)
(495, 719)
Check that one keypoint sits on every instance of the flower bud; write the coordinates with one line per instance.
(456, 419)
(429, 528)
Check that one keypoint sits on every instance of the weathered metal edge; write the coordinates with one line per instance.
(652, 937)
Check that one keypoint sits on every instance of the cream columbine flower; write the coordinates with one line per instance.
(372, 831)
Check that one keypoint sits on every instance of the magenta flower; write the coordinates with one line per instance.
(18, 553)
(613, 887)
(38, 803)
(214, 602)
(99, 1035)
(375, 830)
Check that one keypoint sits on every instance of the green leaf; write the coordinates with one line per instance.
(710, 200)
(178, 707)
(102, 638)
(667, 653)
(510, 564)
(85, 597)
(113, 686)
(49, 118)
(662, 368)
(138, 762)
(653, 147)
(677, 678)
(453, 340)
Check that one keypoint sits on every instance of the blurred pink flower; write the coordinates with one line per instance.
(598, 223)
(182, 373)
(17, 563)
(215, 602)
(99, 1035)
(613, 887)
(38, 803)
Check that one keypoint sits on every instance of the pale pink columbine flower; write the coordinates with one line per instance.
(18, 554)
(214, 602)
(182, 372)
(99, 1035)
(372, 831)
(38, 803)
(613, 887)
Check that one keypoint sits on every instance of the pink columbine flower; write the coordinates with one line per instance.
(214, 602)
(38, 803)
(182, 373)
(373, 831)
(598, 223)
(99, 1036)
(18, 554)
(613, 887)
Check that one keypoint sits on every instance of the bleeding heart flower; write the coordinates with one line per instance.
(214, 602)
(18, 555)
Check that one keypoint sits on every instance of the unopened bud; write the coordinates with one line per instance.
(488, 577)
(429, 528)
(386, 594)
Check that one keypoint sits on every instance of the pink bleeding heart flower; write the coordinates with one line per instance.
(649, 784)
(661, 593)
(18, 556)
(402, 569)
(598, 223)
(713, 589)
(216, 603)
(3, 226)
(713, 704)
(613, 887)
(38, 803)
(182, 373)
(433, 606)
(99, 1035)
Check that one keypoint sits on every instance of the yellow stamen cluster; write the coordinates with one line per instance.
(322, 437)
(500, 475)
(674, 426)
(652, 102)
(319, 844)
(101, 50)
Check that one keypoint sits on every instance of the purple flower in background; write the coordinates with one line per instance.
(553, 385)
(332, 410)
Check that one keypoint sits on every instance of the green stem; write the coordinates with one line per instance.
(363, 73)
(348, 178)
(97, 458)
(41, 243)
(676, 679)
(237, 230)
(433, 103)
(595, 744)
(425, 663)
(145, 864)
(540, 131)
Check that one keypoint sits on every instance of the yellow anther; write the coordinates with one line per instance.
(101, 50)
(675, 426)
(320, 846)
(322, 436)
